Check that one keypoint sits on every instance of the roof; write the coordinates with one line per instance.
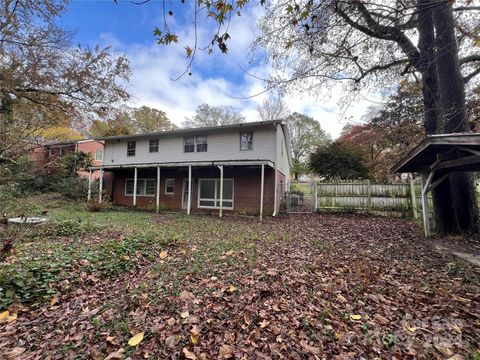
(436, 147)
(185, 131)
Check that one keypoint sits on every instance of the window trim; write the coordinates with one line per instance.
(101, 155)
(217, 180)
(145, 186)
(166, 181)
(150, 146)
(244, 132)
(134, 149)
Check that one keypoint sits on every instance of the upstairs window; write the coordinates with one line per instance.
(195, 143)
(202, 143)
(246, 140)
(153, 146)
(189, 144)
(98, 155)
(131, 146)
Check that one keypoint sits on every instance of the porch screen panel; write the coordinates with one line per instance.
(207, 192)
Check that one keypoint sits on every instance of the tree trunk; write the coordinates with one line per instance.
(454, 199)
(427, 66)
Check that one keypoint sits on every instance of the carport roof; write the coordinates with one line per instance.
(452, 152)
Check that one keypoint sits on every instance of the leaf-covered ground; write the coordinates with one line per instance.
(312, 286)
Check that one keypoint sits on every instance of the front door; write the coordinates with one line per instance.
(185, 195)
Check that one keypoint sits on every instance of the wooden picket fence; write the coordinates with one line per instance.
(400, 199)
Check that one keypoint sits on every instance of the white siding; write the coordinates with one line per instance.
(222, 146)
(282, 157)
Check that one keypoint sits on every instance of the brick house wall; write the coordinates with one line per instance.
(246, 188)
(90, 147)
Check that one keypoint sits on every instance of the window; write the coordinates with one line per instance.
(98, 155)
(169, 186)
(209, 193)
(246, 141)
(198, 142)
(131, 145)
(145, 187)
(202, 144)
(189, 144)
(153, 146)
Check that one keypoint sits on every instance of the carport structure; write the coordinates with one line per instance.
(435, 158)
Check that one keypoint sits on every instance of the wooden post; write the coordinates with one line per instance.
(189, 201)
(157, 202)
(315, 194)
(135, 176)
(262, 185)
(413, 198)
(89, 196)
(220, 211)
(426, 219)
(100, 187)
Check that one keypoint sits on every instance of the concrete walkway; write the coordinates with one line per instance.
(467, 256)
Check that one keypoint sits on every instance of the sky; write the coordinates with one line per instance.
(216, 79)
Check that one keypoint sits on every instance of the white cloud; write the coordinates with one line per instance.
(154, 66)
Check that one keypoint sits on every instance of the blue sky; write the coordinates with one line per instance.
(217, 79)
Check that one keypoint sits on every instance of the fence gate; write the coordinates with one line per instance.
(303, 199)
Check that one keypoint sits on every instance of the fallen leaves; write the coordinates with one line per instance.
(136, 339)
(295, 287)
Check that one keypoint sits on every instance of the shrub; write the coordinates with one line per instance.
(94, 206)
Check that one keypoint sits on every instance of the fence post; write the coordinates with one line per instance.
(369, 194)
(334, 198)
(413, 198)
(315, 193)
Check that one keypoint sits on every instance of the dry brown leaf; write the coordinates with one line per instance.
(15, 353)
(188, 354)
(116, 354)
(225, 352)
(194, 334)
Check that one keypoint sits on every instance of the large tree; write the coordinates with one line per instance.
(207, 115)
(45, 80)
(273, 108)
(132, 121)
(335, 162)
(306, 135)
(312, 43)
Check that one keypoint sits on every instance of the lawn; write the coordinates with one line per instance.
(297, 287)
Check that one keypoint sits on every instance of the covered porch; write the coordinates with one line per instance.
(217, 188)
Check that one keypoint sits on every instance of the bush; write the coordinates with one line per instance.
(73, 188)
(94, 206)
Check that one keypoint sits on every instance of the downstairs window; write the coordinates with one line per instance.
(145, 187)
(209, 193)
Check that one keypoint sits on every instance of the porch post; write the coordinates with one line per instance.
(262, 181)
(189, 199)
(100, 187)
(220, 212)
(158, 189)
(135, 173)
(275, 192)
(89, 196)
(426, 219)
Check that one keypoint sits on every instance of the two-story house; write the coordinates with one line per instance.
(242, 168)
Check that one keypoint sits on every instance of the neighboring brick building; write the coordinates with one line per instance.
(185, 169)
(45, 154)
